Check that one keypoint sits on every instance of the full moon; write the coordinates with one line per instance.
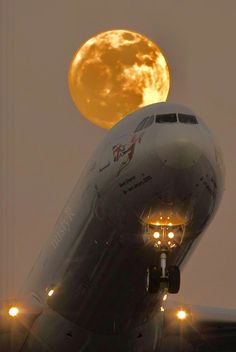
(115, 73)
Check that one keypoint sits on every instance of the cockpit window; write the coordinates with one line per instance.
(149, 121)
(145, 123)
(184, 118)
(167, 118)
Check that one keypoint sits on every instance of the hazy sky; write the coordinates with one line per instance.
(45, 141)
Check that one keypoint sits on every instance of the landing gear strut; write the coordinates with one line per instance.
(163, 259)
(163, 276)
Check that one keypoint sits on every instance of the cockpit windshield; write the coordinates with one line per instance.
(167, 118)
(184, 118)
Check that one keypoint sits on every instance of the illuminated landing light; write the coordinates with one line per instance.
(165, 297)
(50, 293)
(13, 312)
(171, 235)
(170, 224)
(162, 309)
(182, 314)
(156, 235)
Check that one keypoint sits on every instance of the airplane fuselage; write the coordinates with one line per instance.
(158, 170)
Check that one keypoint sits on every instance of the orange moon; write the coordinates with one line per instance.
(115, 73)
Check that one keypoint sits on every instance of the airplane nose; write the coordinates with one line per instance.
(180, 154)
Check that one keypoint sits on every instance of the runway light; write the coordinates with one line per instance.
(171, 235)
(51, 292)
(156, 235)
(182, 314)
(13, 312)
(165, 297)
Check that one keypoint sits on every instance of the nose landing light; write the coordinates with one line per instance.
(156, 235)
(165, 236)
(171, 235)
(51, 293)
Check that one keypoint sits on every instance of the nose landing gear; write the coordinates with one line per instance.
(166, 238)
(163, 276)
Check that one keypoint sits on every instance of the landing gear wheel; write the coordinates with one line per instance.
(174, 279)
(154, 279)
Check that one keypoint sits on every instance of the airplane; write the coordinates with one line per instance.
(136, 214)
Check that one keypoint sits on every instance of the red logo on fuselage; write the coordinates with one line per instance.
(126, 151)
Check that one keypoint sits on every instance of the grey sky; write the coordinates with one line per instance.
(45, 141)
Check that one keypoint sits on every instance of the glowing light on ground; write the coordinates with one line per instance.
(13, 312)
(182, 314)
(115, 73)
